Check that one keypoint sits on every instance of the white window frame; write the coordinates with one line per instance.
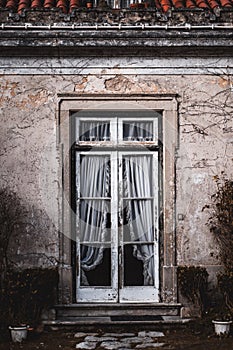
(117, 291)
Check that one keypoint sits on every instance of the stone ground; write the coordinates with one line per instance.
(192, 337)
(119, 341)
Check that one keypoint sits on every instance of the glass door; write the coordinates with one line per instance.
(138, 229)
(117, 207)
(96, 227)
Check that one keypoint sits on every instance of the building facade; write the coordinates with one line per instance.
(115, 119)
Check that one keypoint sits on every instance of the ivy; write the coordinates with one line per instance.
(193, 285)
(25, 294)
(225, 284)
(220, 221)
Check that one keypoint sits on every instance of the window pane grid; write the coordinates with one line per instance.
(94, 131)
(138, 198)
(139, 243)
(95, 200)
(137, 131)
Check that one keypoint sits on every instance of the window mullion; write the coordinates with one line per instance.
(77, 221)
(114, 219)
(120, 211)
(113, 130)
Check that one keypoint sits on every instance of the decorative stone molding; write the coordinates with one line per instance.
(165, 103)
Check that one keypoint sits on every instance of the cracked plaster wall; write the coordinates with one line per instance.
(29, 156)
(29, 166)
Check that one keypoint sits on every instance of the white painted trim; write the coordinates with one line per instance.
(114, 66)
(148, 294)
(99, 294)
(145, 294)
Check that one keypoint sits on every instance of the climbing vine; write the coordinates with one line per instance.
(193, 285)
(220, 221)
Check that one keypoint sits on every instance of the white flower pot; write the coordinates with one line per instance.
(18, 334)
(222, 327)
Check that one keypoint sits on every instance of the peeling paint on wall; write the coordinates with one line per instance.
(28, 149)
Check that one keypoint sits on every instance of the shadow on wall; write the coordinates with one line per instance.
(28, 264)
(27, 236)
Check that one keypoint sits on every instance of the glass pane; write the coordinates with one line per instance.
(95, 265)
(95, 176)
(137, 176)
(95, 221)
(125, 3)
(138, 221)
(138, 131)
(94, 131)
(138, 265)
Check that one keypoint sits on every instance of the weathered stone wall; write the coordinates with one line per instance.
(30, 154)
(29, 166)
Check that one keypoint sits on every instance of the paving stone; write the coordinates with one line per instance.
(119, 334)
(152, 334)
(137, 340)
(91, 338)
(104, 338)
(111, 345)
(142, 334)
(80, 335)
(155, 334)
(86, 345)
(154, 345)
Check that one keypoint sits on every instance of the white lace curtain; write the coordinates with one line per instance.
(140, 131)
(94, 209)
(138, 185)
(94, 131)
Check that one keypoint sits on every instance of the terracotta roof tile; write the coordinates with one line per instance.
(226, 3)
(12, 4)
(166, 5)
(67, 6)
(75, 4)
(48, 4)
(23, 4)
(202, 4)
(178, 3)
(62, 4)
(213, 4)
(190, 4)
(35, 4)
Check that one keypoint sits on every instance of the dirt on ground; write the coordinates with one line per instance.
(191, 337)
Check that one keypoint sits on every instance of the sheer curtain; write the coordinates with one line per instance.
(137, 177)
(94, 131)
(94, 187)
(141, 131)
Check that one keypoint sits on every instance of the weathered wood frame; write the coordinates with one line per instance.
(165, 103)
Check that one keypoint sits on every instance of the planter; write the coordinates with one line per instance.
(18, 334)
(222, 327)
